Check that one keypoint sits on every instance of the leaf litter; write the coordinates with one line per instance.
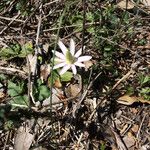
(106, 107)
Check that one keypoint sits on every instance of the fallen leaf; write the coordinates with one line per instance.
(32, 62)
(126, 5)
(146, 2)
(57, 83)
(44, 72)
(129, 100)
(134, 110)
(124, 128)
(129, 141)
(72, 90)
(126, 100)
(23, 139)
(135, 128)
(88, 64)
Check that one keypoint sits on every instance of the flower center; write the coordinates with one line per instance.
(69, 58)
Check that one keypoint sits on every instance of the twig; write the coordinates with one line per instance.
(85, 93)
(31, 82)
(123, 78)
(10, 23)
(57, 37)
(109, 92)
(33, 12)
(13, 71)
(7, 138)
(138, 133)
(112, 42)
(9, 7)
(50, 3)
(79, 140)
(132, 122)
(119, 141)
(11, 19)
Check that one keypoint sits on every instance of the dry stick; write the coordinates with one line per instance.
(79, 140)
(133, 121)
(85, 93)
(123, 78)
(13, 71)
(31, 82)
(7, 139)
(57, 37)
(10, 23)
(110, 91)
(138, 133)
(83, 33)
(39, 6)
(10, 19)
(9, 7)
(50, 3)
(119, 141)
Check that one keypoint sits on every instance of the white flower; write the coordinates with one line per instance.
(68, 58)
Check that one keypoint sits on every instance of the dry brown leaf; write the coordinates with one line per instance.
(57, 83)
(123, 4)
(23, 139)
(146, 2)
(88, 64)
(126, 100)
(135, 128)
(45, 72)
(32, 62)
(72, 90)
(129, 140)
(124, 128)
(2, 94)
(129, 100)
(134, 110)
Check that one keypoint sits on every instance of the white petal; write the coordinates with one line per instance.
(60, 55)
(79, 64)
(62, 47)
(64, 69)
(72, 47)
(78, 53)
(59, 65)
(58, 60)
(74, 70)
(84, 58)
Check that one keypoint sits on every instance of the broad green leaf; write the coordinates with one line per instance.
(26, 49)
(13, 89)
(66, 76)
(146, 80)
(20, 101)
(44, 92)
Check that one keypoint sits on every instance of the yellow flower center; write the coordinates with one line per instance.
(69, 58)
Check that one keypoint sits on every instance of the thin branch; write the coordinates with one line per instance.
(13, 71)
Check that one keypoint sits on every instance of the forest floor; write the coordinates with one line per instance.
(105, 106)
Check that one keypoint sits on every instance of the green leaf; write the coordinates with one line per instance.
(26, 49)
(146, 80)
(13, 89)
(10, 52)
(41, 91)
(66, 76)
(16, 93)
(44, 92)
(20, 101)
(2, 77)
